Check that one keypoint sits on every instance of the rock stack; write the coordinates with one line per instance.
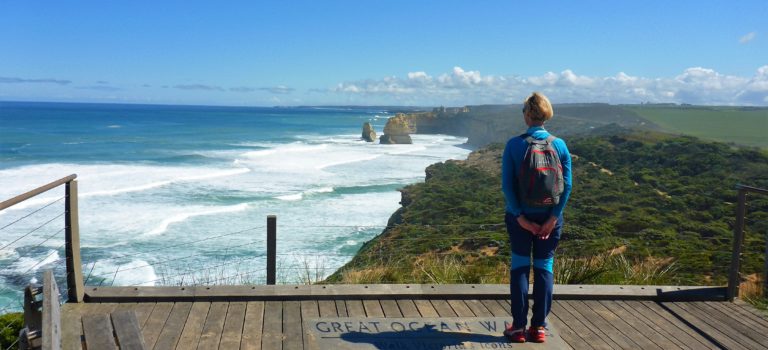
(398, 130)
(368, 133)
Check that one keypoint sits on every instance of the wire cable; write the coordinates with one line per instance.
(30, 214)
(30, 232)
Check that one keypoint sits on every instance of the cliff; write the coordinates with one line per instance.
(487, 124)
(632, 218)
(398, 129)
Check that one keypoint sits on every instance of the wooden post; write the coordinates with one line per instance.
(51, 313)
(765, 268)
(75, 288)
(33, 318)
(738, 240)
(271, 248)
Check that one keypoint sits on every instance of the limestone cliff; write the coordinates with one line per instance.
(368, 133)
(487, 124)
(398, 130)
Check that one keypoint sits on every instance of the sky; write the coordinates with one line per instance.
(369, 52)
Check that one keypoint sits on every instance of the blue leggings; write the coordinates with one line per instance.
(522, 242)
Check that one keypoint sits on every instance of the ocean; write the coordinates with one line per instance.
(173, 195)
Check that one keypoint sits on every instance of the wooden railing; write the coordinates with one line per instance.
(75, 289)
(738, 242)
(74, 277)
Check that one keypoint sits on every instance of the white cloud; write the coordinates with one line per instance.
(696, 85)
(747, 37)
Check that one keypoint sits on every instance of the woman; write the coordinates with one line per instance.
(534, 209)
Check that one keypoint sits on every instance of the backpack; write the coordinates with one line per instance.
(540, 183)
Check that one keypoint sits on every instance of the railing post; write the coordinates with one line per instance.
(75, 288)
(51, 313)
(738, 240)
(271, 248)
(765, 268)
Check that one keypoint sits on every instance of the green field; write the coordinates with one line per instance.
(741, 125)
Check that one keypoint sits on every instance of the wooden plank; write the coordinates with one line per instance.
(214, 324)
(373, 308)
(310, 310)
(233, 326)
(327, 308)
(607, 329)
(425, 308)
(341, 308)
(155, 322)
(408, 308)
(495, 308)
(568, 335)
(72, 326)
(660, 325)
(744, 315)
(292, 328)
(679, 322)
(143, 310)
(395, 291)
(355, 308)
(712, 332)
(193, 327)
(252, 326)
(173, 327)
(460, 308)
(736, 330)
(478, 308)
(390, 308)
(443, 309)
(127, 330)
(741, 321)
(639, 328)
(98, 332)
(581, 327)
(100, 308)
(622, 325)
(751, 309)
(272, 336)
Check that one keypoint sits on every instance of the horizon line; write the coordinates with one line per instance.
(369, 106)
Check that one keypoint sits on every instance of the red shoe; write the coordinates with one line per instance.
(537, 334)
(515, 335)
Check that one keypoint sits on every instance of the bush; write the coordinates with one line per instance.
(10, 324)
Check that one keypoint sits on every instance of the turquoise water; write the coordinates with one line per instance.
(179, 195)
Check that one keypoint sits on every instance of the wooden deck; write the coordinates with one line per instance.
(270, 318)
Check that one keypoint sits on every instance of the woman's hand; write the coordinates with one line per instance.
(528, 225)
(546, 229)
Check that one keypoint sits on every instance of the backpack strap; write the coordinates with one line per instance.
(551, 138)
(529, 138)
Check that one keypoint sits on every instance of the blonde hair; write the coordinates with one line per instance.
(537, 107)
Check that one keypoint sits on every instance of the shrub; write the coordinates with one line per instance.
(10, 324)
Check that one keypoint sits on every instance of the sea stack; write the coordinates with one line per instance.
(368, 133)
(398, 130)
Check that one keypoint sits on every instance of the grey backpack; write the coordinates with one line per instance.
(540, 182)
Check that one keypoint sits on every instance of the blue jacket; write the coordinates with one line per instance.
(510, 168)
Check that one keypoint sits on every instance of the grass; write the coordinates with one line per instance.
(739, 125)
(615, 268)
(751, 290)
(608, 268)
